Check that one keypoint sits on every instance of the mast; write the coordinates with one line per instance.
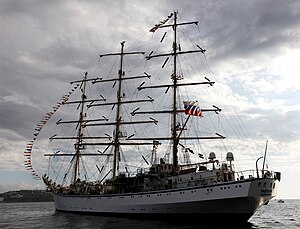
(118, 118)
(175, 85)
(78, 145)
(119, 102)
(81, 141)
(264, 162)
(174, 113)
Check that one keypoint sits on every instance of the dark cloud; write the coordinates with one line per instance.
(19, 118)
(45, 44)
(239, 28)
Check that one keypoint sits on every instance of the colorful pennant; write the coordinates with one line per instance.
(28, 149)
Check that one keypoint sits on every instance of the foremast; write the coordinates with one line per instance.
(78, 146)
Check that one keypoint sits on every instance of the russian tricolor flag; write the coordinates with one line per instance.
(192, 108)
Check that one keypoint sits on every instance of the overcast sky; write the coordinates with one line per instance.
(253, 48)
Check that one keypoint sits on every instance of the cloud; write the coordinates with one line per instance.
(252, 50)
(251, 29)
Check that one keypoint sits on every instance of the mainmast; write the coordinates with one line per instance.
(118, 119)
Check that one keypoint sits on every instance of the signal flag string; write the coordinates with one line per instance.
(38, 128)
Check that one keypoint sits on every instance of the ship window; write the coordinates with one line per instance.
(221, 188)
(259, 184)
(265, 184)
(273, 185)
(270, 185)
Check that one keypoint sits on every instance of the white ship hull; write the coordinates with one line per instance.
(238, 197)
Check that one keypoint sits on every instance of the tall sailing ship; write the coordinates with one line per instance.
(160, 127)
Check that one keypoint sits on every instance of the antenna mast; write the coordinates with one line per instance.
(263, 169)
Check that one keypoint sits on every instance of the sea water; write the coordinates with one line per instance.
(43, 215)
